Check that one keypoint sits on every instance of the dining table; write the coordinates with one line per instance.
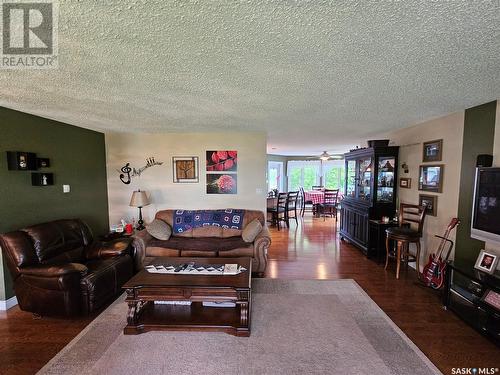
(317, 197)
(314, 196)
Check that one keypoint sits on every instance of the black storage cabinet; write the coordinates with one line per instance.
(370, 192)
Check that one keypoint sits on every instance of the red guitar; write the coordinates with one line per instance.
(433, 273)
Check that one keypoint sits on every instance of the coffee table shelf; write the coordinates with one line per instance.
(194, 317)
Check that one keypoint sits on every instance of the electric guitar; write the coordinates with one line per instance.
(433, 273)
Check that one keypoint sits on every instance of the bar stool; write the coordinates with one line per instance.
(404, 235)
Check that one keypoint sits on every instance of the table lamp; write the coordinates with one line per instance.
(139, 199)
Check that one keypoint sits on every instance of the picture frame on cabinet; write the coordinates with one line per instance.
(487, 261)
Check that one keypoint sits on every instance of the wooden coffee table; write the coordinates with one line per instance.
(145, 288)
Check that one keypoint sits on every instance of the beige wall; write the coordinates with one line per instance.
(450, 129)
(157, 181)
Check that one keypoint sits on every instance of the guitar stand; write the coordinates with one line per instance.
(450, 242)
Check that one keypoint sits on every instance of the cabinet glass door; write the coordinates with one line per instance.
(385, 179)
(350, 190)
(365, 178)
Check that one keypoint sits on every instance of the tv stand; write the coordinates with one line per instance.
(464, 294)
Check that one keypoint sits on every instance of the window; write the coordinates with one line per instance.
(275, 175)
(315, 172)
(333, 174)
(303, 173)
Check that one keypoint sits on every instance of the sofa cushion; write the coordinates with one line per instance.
(50, 240)
(207, 231)
(251, 231)
(202, 244)
(159, 229)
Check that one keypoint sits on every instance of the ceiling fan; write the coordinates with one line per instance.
(326, 156)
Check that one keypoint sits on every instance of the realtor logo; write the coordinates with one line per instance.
(29, 34)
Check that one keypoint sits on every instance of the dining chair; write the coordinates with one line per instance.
(304, 202)
(291, 206)
(279, 211)
(329, 205)
(405, 234)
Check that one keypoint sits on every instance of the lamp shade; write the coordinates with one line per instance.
(139, 199)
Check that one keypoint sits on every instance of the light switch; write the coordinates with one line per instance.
(258, 191)
(66, 189)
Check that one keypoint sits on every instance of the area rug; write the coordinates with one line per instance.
(298, 327)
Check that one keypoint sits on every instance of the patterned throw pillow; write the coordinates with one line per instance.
(251, 231)
(159, 229)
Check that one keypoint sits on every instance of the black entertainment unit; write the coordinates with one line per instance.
(473, 295)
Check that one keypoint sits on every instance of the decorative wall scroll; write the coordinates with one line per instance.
(126, 172)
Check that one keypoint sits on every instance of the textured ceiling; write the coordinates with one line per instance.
(315, 75)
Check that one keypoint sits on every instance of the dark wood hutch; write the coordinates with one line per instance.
(370, 192)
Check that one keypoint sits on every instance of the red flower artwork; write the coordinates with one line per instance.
(222, 161)
(221, 184)
(226, 183)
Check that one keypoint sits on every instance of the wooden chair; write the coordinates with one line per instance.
(317, 187)
(304, 202)
(404, 235)
(291, 206)
(329, 205)
(279, 212)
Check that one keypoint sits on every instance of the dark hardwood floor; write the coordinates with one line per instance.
(310, 251)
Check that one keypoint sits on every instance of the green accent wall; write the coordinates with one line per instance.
(77, 158)
(479, 135)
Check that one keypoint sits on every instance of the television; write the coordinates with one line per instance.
(485, 223)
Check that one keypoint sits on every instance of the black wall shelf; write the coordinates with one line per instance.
(42, 179)
(21, 161)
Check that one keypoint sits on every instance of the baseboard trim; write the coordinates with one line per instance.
(5, 305)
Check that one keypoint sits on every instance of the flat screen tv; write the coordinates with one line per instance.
(485, 224)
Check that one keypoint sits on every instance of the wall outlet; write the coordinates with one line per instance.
(66, 188)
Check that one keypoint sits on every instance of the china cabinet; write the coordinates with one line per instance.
(370, 192)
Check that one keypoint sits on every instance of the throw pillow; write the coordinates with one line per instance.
(251, 231)
(159, 229)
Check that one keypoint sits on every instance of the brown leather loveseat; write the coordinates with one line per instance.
(204, 242)
(58, 269)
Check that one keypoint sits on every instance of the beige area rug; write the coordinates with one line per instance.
(298, 327)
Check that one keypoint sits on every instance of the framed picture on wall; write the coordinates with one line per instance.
(431, 178)
(222, 183)
(405, 182)
(433, 151)
(222, 161)
(430, 203)
(185, 169)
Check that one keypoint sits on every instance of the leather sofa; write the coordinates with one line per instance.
(206, 241)
(58, 269)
